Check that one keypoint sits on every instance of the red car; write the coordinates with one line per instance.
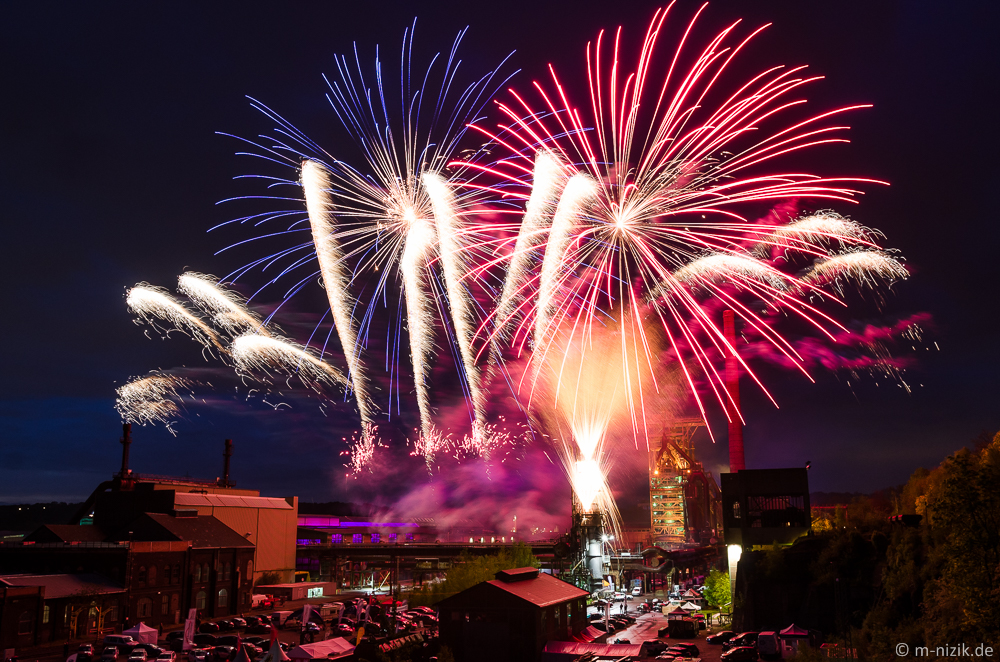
(740, 654)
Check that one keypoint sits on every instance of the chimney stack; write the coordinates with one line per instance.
(126, 442)
(228, 453)
(736, 461)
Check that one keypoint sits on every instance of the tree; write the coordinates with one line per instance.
(471, 570)
(717, 588)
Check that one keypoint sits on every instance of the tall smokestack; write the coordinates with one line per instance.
(126, 442)
(736, 461)
(228, 453)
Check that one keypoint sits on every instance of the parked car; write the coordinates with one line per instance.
(226, 626)
(86, 649)
(200, 655)
(118, 640)
(208, 626)
(636, 592)
(720, 637)
(684, 650)
(239, 623)
(227, 640)
(204, 639)
(109, 654)
(137, 655)
(744, 639)
(740, 654)
(167, 656)
(343, 630)
(152, 651)
(256, 641)
(261, 627)
(312, 628)
(223, 653)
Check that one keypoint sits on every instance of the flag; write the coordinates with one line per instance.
(306, 613)
(189, 630)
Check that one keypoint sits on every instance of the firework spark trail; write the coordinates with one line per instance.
(316, 185)
(151, 399)
(150, 303)
(732, 268)
(455, 270)
(546, 182)
(865, 267)
(361, 450)
(579, 191)
(819, 229)
(419, 311)
(225, 307)
(252, 352)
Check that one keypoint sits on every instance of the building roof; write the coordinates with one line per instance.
(61, 586)
(196, 500)
(202, 531)
(542, 591)
(66, 533)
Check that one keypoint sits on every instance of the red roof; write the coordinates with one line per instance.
(542, 591)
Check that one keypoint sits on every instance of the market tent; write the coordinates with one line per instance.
(142, 633)
(690, 606)
(331, 649)
(676, 613)
(691, 593)
(275, 654)
(793, 631)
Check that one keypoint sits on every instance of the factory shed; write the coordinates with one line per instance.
(510, 618)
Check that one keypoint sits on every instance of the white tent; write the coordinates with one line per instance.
(331, 649)
(275, 654)
(142, 633)
(690, 606)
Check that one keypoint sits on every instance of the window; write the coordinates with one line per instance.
(392, 537)
(205, 576)
(249, 576)
(175, 602)
(223, 598)
(45, 614)
(376, 537)
(358, 537)
(141, 577)
(226, 574)
(164, 604)
(409, 537)
(200, 601)
(24, 623)
(337, 538)
(151, 576)
(66, 612)
(144, 608)
(111, 614)
(197, 573)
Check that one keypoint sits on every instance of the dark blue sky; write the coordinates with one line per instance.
(110, 170)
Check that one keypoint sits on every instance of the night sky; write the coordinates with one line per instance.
(111, 168)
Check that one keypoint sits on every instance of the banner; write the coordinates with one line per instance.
(306, 613)
(189, 630)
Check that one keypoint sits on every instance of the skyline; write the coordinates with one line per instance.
(109, 218)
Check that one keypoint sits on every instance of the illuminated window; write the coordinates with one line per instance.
(201, 601)
(223, 598)
(392, 537)
(337, 538)
(45, 614)
(409, 537)
(376, 537)
(358, 538)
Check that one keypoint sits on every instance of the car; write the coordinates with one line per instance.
(720, 637)
(167, 656)
(256, 641)
(744, 639)
(176, 634)
(208, 627)
(252, 651)
(251, 621)
(226, 626)
(239, 623)
(203, 639)
(227, 640)
(137, 655)
(312, 628)
(109, 654)
(200, 655)
(259, 628)
(223, 653)
(740, 654)
(643, 608)
(118, 640)
(636, 592)
(87, 649)
(619, 597)
(152, 651)
(684, 650)
(343, 630)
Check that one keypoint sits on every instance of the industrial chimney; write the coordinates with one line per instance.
(736, 461)
(228, 453)
(126, 441)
